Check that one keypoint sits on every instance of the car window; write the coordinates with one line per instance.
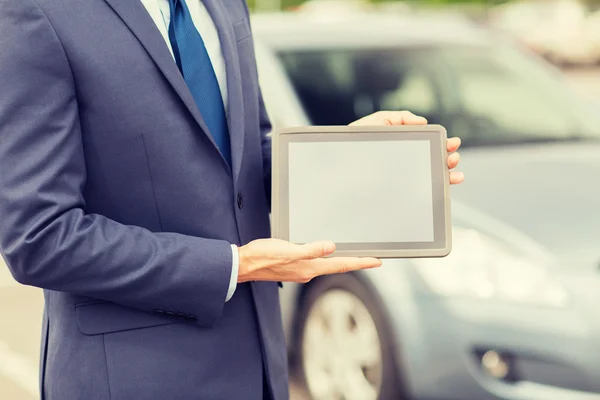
(485, 95)
(417, 93)
(502, 99)
(338, 87)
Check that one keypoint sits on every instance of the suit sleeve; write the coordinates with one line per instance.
(46, 237)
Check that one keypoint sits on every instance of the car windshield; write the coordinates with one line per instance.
(488, 96)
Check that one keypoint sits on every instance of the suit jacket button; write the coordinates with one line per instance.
(240, 201)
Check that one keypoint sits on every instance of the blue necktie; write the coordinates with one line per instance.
(197, 70)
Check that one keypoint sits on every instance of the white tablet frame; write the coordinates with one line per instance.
(436, 134)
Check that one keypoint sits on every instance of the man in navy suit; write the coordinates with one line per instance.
(135, 187)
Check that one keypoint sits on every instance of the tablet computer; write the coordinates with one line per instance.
(375, 191)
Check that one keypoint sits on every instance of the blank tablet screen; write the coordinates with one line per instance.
(360, 192)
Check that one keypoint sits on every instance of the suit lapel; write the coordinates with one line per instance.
(235, 103)
(137, 19)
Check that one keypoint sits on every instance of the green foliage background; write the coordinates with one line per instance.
(292, 3)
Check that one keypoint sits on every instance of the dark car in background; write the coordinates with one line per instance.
(511, 313)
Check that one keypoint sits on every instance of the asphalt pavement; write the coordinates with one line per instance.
(21, 307)
(20, 327)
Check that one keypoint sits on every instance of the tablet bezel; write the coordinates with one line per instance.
(436, 134)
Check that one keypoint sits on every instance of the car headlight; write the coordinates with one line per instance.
(484, 268)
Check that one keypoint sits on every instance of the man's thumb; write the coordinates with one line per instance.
(318, 249)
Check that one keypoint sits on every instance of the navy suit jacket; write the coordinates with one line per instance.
(116, 201)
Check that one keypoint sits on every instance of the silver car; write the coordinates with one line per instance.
(512, 312)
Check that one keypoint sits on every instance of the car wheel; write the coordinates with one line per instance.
(345, 349)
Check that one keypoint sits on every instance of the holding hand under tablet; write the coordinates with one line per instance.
(279, 260)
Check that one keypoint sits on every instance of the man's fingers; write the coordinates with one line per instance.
(456, 177)
(391, 118)
(314, 250)
(402, 118)
(453, 144)
(340, 265)
(453, 160)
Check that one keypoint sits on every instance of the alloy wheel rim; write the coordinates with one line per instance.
(342, 355)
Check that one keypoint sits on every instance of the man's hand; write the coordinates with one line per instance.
(408, 118)
(278, 260)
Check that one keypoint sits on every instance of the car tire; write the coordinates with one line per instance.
(389, 382)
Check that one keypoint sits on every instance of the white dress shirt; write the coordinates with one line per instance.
(161, 15)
